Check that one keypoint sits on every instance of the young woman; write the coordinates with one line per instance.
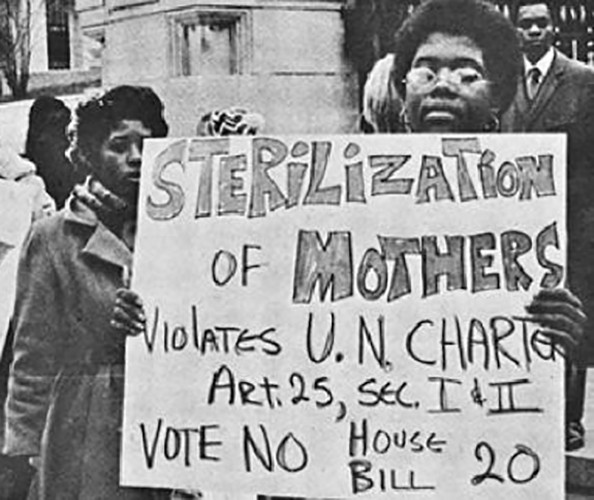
(65, 395)
(456, 66)
(456, 70)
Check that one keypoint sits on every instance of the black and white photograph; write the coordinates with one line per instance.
(296, 249)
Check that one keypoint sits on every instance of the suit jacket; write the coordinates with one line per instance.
(559, 102)
(565, 103)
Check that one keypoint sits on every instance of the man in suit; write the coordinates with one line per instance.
(557, 95)
(554, 87)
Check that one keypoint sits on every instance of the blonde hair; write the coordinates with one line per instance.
(381, 103)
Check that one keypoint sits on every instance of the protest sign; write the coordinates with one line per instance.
(344, 316)
(15, 204)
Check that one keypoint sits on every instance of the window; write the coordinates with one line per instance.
(58, 37)
(210, 43)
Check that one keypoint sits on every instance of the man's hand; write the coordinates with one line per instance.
(560, 314)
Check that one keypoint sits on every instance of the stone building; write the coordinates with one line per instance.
(56, 40)
(300, 63)
(281, 58)
(61, 55)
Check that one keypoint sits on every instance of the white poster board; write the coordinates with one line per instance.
(15, 207)
(343, 316)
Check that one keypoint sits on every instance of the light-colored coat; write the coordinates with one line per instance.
(66, 382)
(15, 168)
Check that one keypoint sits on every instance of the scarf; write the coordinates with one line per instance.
(113, 211)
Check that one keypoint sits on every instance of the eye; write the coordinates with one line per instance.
(468, 76)
(526, 24)
(118, 145)
(421, 75)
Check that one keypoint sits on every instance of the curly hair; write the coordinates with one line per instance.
(95, 118)
(477, 20)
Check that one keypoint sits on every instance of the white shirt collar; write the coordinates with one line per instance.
(543, 64)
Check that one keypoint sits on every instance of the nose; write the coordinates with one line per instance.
(443, 81)
(534, 30)
(135, 155)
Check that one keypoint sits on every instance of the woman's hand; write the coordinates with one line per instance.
(97, 196)
(560, 315)
(128, 313)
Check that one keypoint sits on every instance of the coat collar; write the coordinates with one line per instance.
(522, 114)
(543, 65)
(102, 243)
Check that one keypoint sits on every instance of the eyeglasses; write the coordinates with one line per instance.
(424, 79)
(541, 23)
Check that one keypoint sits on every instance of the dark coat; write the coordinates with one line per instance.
(66, 380)
(558, 104)
(565, 103)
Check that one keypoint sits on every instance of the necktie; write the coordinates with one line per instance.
(533, 83)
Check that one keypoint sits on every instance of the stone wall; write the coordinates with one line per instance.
(291, 65)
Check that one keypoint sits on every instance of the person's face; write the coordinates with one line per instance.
(447, 88)
(535, 26)
(120, 158)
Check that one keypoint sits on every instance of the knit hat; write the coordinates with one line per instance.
(232, 121)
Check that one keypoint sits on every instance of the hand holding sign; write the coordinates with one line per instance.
(128, 313)
(561, 315)
(324, 312)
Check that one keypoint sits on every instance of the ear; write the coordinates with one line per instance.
(79, 160)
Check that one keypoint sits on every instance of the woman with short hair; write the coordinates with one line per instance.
(66, 388)
(456, 70)
(456, 67)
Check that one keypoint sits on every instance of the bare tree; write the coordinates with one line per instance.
(15, 44)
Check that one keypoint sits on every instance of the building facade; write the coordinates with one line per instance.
(300, 63)
(281, 58)
(56, 39)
